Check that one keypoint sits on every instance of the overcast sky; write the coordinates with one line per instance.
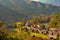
(54, 2)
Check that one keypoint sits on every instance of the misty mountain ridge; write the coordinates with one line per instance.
(21, 9)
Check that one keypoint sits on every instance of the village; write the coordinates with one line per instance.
(45, 28)
(51, 32)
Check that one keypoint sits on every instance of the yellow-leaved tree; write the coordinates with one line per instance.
(55, 21)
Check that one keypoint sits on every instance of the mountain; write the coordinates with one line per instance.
(12, 11)
(7, 15)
